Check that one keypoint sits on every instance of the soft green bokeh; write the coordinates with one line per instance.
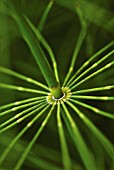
(61, 29)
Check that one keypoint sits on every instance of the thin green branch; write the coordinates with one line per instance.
(93, 97)
(94, 109)
(38, 151)
(45, 15)
(89, 60)
(20, 88)
(93, 74)
(10, 146)
(46, 45)
(35, 157)
(99, 135)
(26, 152)
(20, 107)
(65, 153)
(35, 48)
(16, 103)
(92, 67)
(36, 108)
(94, 89)
(23, 77)
(81, 146)
(17, 116)
(78, 44)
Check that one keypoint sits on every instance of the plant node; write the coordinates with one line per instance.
(66, 93)
(56, 91)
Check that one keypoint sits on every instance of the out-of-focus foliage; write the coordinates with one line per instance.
(61, 30)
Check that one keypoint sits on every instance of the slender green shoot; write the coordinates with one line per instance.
(78, 44)
(94, 109)
(38, 107)
(10, 146)
(106, 98)
(45, 15)
(13, 109)
(46, 45)
(17, 116)
(65, 154)
(92, 67)
(93, 74)
(40, 151)
(81, 146)
(20, 88)
(36, 50)
(16, 103)
(94, 89)
(20, 76)
(103, 140)
(24, 155)
(89, 61)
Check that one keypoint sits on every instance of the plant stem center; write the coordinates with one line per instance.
(66, 93)
(56, 91)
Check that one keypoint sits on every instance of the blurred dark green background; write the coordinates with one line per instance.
(61, 31)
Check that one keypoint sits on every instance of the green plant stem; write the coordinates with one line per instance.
(90, 60)
(3, 156)
(44, 16)
(65, 153)
(94, 89)
(93, 97)
(19, 115)
(99, 135)
(25, 153)
(36, 50)
(80, 144)
(19, 88)
(19, 102)
(78, 44)
(31, 112)
(92, 75)
(94, 109)
(46, 45)
(22, 77)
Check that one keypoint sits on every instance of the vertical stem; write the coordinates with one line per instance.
(65, 153)
(44, 16)
(78, 44)
(36, 50)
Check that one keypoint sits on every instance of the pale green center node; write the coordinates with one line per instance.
(66, 95)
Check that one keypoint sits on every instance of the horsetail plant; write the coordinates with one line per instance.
(66, 101)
